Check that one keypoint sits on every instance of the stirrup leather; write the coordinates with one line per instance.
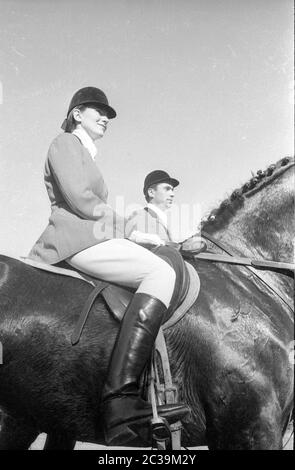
(161, 392)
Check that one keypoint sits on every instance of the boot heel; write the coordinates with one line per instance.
(119, 434)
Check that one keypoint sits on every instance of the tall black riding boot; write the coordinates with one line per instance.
(123, 408)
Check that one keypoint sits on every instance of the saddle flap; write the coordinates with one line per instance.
(117, 299)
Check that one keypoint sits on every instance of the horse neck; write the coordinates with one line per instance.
(263, 228)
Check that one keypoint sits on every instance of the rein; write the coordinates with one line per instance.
(250, 264)
(271, 265)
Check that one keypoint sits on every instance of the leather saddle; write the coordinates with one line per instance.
(118, 298)
(186, 290)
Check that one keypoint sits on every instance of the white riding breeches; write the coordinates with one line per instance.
(125, 263)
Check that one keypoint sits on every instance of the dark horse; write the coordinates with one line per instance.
(230, 354)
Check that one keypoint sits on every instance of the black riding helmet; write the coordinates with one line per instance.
(90, 95)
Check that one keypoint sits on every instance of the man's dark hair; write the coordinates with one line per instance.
(146, 195)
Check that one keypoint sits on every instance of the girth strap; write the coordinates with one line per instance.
(85, 312)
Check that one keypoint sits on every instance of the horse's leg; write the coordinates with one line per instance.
(59, 442)
(243, 429)
(16, 434)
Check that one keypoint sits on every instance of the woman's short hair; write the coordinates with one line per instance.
(71, 121)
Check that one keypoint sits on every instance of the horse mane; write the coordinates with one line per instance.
(221, 215)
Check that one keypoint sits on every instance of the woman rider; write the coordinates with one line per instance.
(84, 231)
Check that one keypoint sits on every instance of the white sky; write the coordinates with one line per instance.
(202, 88)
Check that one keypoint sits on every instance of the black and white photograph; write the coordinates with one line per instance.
(147, 228)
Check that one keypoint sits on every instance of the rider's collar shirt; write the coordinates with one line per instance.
(161, 214)
(86, 141)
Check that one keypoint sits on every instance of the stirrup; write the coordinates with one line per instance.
(161, 436)
(160, 430)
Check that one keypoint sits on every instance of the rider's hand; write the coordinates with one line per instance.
(143, 238)
(195, 244)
